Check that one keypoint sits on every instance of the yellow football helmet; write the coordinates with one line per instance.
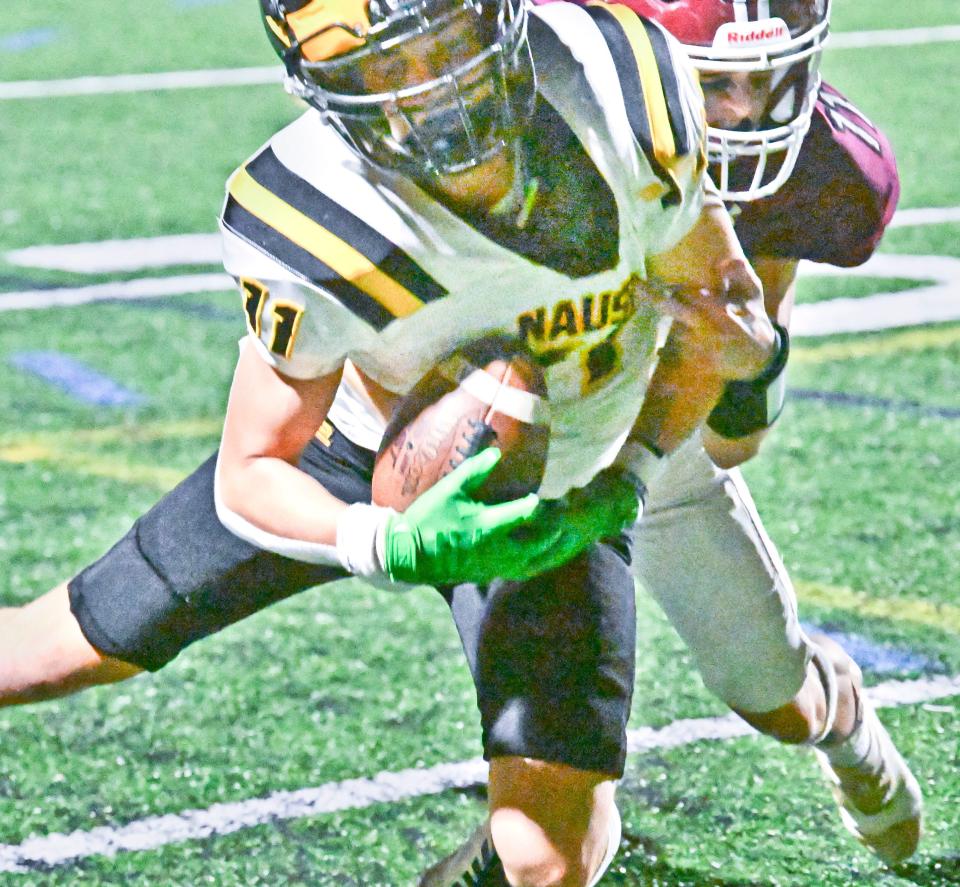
(428, 87)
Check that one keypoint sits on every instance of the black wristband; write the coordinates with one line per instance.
(749, 406)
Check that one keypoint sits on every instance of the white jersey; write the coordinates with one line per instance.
(338, 260)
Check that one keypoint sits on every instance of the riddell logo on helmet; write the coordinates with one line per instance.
(742, 35)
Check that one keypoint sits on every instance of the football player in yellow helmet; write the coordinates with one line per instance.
(464, 171)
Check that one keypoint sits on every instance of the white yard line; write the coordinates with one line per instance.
(114, 83)
(136, 253)
(384, 788)
(142, 288)
(111, 256)
(900, 37)
(937, 303)
(937, 215)
(102, 85)
(942, 301)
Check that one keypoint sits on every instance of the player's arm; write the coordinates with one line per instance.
(444, 537)
(720, 332)
(270, 419)
(845, 193)
(745, 412)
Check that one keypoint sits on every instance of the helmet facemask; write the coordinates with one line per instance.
(786, 42)
(432, 87)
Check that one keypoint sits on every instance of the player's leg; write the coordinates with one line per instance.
(703, 553)
(880, 800)
(45, 653)
(552, 824)
(177, 576)
(553, 663)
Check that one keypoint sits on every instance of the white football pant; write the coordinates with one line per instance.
(702, 552)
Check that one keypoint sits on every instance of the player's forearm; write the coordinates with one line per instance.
(736, 415)
(278, 498)
(261, 496)
(679, 398)
(694, 369)
(715, 298)
(292, 515)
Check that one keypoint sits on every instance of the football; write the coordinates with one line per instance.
(490, 393)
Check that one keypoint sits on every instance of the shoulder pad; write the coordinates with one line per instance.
(323, 243)
(661, 94)
(840, 197)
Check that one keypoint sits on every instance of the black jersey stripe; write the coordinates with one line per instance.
(267, 170)
(671, 87)
(630, 83)
(302, 263)
(640, 75)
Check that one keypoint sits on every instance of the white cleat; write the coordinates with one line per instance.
(879, 798)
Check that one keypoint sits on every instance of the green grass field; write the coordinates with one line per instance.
(858, 487)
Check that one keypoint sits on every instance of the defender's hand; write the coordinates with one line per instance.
(608, 504)
(725, 328)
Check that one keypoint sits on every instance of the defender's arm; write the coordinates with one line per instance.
(778, 277)
(720, 330)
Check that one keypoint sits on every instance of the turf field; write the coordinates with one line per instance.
(272, 732)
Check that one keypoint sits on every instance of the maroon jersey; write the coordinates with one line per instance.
(840, 197)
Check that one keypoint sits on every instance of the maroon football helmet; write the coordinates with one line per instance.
(784, 37)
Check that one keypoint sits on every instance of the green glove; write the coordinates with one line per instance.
(609, 503)
(446, 537)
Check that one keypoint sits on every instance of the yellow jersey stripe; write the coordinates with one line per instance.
(342, 258)
(658, 115)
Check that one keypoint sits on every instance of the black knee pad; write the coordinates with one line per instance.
(178, 576)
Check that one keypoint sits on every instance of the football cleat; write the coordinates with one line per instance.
(476, 864)
(473, 864)
(879, 798)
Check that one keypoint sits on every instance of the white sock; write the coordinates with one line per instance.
(613, 845)
(862, 745)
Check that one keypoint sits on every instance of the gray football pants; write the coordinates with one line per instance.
(702, 552)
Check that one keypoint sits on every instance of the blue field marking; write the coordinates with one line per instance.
(31, 39)
(842, 398)
(879, 659)
(11, 283)
(75, 378)
(202, 310)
